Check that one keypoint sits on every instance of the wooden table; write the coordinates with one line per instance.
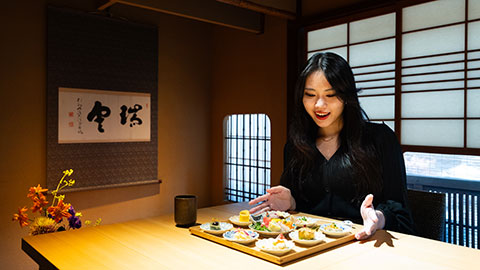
(156, 243)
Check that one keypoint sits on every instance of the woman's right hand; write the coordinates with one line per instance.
(277, 198)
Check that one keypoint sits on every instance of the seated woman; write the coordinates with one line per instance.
(337, 163)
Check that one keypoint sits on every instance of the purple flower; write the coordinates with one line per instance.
(73, 221)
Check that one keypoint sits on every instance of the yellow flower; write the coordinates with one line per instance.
(43, 224)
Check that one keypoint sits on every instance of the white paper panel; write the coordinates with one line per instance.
(384, 83)
(447, 133)
(436, 68)
(473, 55)
(342, 51)
(473, 133)
(473, 74)
(382, 107)
(473, 9)
(376, 91)
(328, 37)
(362, 30)
(373, 68)
(473, 64)
(473, 103)
(473, 83)
(432, 104)
(445, 39)
(373, 53)
(433, 14)
(380, 75)
(432, 86)
(435, 59)
(434, 77)
(474, 35)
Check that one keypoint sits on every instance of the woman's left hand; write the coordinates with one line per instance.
(373, 220)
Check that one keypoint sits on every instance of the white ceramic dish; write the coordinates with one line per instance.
(249, 236)
(318, 238)
(267, 233)
(235, 220)
(301, 221)
(266, 245)
(341, 231)
(224, 226)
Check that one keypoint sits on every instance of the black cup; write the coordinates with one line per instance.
(185, 210)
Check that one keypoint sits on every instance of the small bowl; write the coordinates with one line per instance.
(224, 226)
(342, 231)
(267, 244)
(229, 235)
(235, 220)
(318, 238)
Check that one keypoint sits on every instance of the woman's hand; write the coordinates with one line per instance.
(277, 198)
(373, 220)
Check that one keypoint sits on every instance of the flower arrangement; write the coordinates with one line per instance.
(51, 218)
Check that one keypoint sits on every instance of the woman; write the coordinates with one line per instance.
(336, 162)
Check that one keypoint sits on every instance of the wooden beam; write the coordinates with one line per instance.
(106, 4)
(209, 11)
(261, 8)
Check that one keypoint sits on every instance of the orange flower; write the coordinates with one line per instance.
(39, 202)
(33, 191)
(60, 211)
(22, 217)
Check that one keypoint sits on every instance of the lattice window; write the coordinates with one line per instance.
(247, 156)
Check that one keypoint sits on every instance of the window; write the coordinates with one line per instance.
(418, 71)
(443, 165)
(371, 54)
(247, 156)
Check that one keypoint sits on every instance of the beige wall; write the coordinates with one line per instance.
(205, 72)
(249, 77)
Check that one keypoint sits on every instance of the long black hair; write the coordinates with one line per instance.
(359, 155)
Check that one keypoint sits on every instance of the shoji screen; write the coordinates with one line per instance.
(440, 74)
(371, 54)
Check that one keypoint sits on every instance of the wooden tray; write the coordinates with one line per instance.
(297, 252)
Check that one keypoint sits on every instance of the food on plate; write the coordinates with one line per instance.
(306, 234)
(277, 214)
(241, 234)
(244, 216)
(215, 225)
(273, 225)
(277, 246)
(333, 227)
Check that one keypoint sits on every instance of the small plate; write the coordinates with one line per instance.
(341, 231)
(305, 221)
(224, 226)
(267, 246)
(251, 236)
(318, 237)
(267, 233)
(234, 220)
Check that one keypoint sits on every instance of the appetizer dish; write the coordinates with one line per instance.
(306, 236)
(241, 220)
(216, 227)
(277, 214)
(335, 229)
(241, 236)
(276, 246)
(302, 221)
(272, 226)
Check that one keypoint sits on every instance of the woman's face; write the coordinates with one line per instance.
(322, 103)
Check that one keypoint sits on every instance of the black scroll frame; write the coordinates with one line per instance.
(90, 51)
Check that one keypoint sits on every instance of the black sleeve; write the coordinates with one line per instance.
(393, 200)
(286, 179)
